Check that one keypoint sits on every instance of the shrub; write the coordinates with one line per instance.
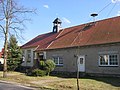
(38, 72)
(50, 65)
(42, 65)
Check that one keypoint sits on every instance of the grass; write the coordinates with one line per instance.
(88, 84)
(58, 83)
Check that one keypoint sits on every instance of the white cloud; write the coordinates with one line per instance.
(115, 1)
(46, 6)
(65, 20)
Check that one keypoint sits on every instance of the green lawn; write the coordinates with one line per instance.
(59, 83)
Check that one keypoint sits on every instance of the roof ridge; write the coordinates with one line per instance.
(93, 22)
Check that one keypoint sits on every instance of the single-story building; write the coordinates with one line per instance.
(92, 48)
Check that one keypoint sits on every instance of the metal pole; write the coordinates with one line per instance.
(78, 74)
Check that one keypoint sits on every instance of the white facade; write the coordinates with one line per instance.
(1, 61)
(28, 55)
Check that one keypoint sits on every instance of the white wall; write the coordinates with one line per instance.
(1, 60)
(31, 63)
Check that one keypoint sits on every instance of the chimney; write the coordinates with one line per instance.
(56, 25)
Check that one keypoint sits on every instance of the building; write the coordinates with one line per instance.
(92, 48)
(1, 57)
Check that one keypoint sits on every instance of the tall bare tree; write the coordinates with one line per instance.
(12, 17)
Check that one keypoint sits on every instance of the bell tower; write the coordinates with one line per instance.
(56, 25)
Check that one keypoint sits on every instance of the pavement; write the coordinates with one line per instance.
(4, 85)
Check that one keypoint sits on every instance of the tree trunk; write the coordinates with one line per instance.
(5, 51)
(5, 60)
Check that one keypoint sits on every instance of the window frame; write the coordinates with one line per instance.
(58, 60)
(29, 56)
(108, 56)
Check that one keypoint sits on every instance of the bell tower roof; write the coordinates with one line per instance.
(57, 21)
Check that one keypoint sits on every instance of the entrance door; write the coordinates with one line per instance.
(81, 63)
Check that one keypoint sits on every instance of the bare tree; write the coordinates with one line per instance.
(12, 17)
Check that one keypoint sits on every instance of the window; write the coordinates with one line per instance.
(28, 55)
(81, 60)
(23, 52)
(58, 60)
(41, 56)
(108, 60)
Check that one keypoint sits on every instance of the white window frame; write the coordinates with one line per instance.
(108, 57)
(58, 60)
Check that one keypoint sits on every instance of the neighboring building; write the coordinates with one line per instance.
(92, 48)
(0, 54)
(1, 57)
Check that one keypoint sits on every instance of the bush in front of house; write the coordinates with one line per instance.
(38, 72)
(45, 67)
(50, 66)
(42, 65)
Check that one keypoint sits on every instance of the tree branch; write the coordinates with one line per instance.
(2, 29)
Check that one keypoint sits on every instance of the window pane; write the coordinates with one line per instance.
(103, 59)
(113, 60)
(55, 60)
(60, 60)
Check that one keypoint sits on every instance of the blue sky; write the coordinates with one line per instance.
(71, 13)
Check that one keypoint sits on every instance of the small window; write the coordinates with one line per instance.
(23, 52)
(108, 60)
(41, 56)
(81, 60)
(28, 55)
(58, 60)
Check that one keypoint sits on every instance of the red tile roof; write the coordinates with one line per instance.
(99, 32)
(41, 41)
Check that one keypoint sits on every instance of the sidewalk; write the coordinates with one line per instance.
(27, 86)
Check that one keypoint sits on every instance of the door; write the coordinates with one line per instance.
(81, 63)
